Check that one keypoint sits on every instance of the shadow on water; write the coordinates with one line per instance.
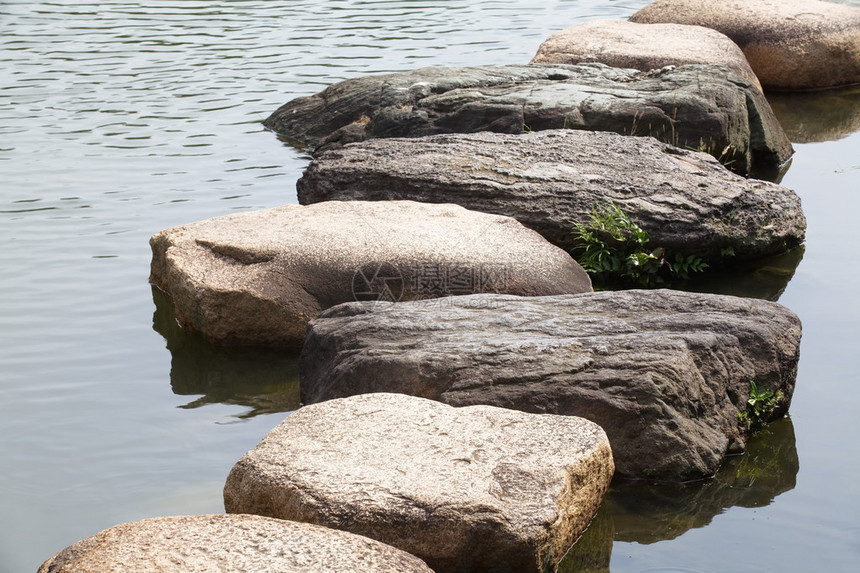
(646, 513)
(811, 117)
(765, 278)
(262, 379)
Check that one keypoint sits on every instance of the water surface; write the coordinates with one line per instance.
(121, 118)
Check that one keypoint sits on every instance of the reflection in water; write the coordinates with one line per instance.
(825, 115)
(265, 380)
(647, 513)
(765, 278)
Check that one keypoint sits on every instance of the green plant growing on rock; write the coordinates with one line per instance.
(760, 407)
(612, 248)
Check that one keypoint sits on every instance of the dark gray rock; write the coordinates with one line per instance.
(694, 106)
(685, 200)
(665, 373)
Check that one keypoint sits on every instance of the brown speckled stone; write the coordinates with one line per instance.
(466, 489)
(219, 543)
(790, 44)
(624, 44)
(258, 278)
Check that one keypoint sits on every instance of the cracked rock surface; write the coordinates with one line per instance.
(664, 373)
(466, 489)
(693, 106)
(258, 278)
(217, 543)
(547, 180)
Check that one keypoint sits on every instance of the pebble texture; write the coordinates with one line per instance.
(664, 373)
(623, 44)
(219, 543)
(547, 180)
(465, 489)
(790, 44)
(693, 106)
(257, 278)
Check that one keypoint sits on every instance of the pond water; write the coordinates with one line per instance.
(121, 118)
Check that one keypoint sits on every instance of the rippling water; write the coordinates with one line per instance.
(120, 118)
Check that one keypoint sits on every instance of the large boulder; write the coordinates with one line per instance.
(548, 180)
(790, 44)
(465, 489)
(665, 373)
(623, 44)
(700, 107)
(216, 543)
(257, 278)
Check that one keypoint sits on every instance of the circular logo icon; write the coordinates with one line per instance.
(377, 282)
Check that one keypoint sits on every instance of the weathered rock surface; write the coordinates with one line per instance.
(790, 44)
(685, 200)
(465, 489)
(706, 107)
(257, 278)
(217, 543)
(623, 44)
(665, 373)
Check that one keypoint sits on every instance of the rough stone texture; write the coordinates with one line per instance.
(465, 489)
(623, 44)
(706, 107)
(218, 543)
(685, 200)
(665, 373)
(257, 278)
(790, 44)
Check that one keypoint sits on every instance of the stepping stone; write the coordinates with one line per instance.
(623, 44)
(548, 180)
(464, 489)
(790, 44)
(701, 107)
(258, 278)
(216, 543)
(665, 373)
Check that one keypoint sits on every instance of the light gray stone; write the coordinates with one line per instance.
(257, 278)
(547, 180)
(790, 44)
(693, 106)
(665, 373)
(218, 543)
(465, 489)
(623, 44)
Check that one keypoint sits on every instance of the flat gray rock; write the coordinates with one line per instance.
(465, 489)
(257, 278)
(623, 44)
(790, 44)
(665, 373)
(547, 180)
(697, 106)
(218, 543)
